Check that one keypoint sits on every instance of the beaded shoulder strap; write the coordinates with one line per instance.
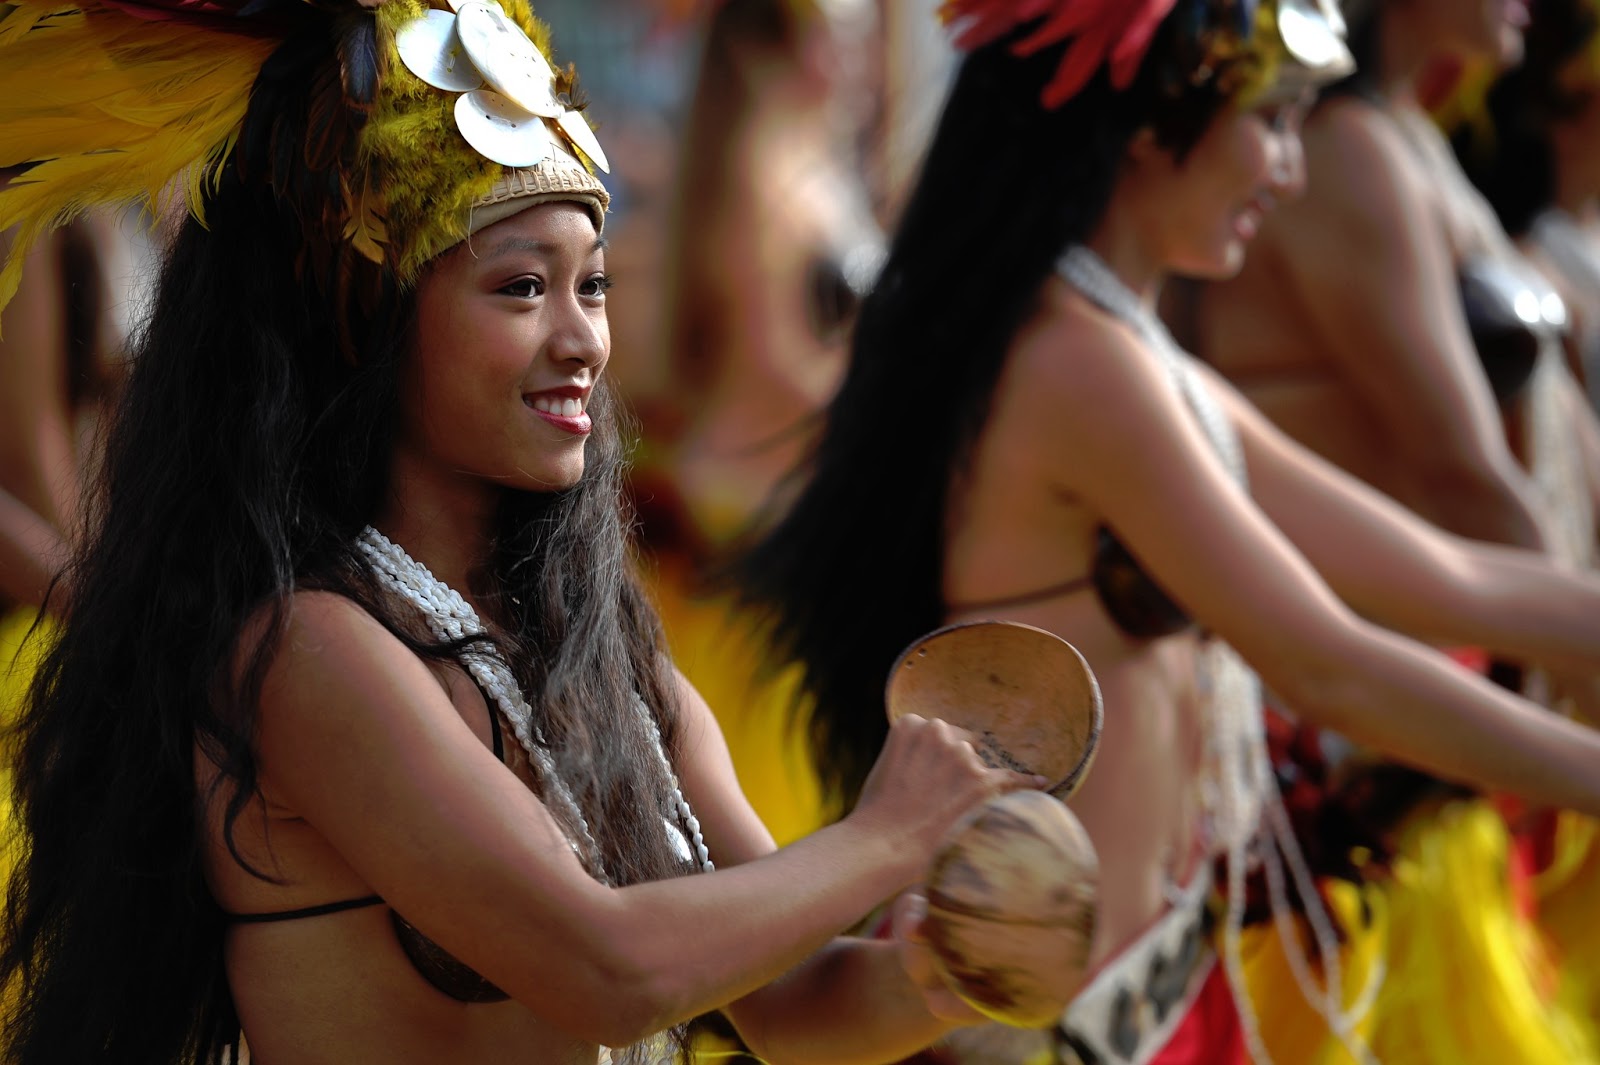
(451, 617)
(1087, 272)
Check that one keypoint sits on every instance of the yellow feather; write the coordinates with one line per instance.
(98, 107)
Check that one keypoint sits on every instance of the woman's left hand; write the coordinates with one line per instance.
(907, 927)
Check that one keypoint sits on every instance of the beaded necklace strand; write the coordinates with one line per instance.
(450, 617)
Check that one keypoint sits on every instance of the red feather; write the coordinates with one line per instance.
(1115, 33)
(1129, 52)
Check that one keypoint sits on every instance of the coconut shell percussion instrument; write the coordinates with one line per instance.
(1012, 891)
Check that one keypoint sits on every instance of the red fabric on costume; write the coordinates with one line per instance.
(1211, 1033)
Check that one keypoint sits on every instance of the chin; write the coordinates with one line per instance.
(1221, 263)
(551, 478)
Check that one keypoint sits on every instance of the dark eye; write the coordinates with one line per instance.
(595, 288)
(525, 287)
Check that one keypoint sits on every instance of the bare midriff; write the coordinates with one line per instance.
(1011, 533)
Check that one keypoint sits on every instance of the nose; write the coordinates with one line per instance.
(580, 335)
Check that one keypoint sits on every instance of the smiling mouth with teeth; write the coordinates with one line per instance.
(560, 407)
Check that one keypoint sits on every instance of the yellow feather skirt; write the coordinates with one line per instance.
(1469, 978)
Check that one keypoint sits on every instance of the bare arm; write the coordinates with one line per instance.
(1156, 479)
(356, 738)
(38, 460)
(850, 1003)
(31, 551)
(1368, 260)
(1399, 571)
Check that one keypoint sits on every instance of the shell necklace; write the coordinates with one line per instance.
(1238, 795)
(450, 617)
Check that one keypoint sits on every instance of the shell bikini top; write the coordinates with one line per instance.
(1138, 606)
(1511, 313)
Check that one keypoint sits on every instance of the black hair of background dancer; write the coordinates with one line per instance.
(851, 571)
(248, 450)
(1511, 160)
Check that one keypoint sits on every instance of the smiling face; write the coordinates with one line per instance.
(511, 338)
(1200, 212)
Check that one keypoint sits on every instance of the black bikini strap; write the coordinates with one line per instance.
(1024, 598)
(494, 718)
(306, 911)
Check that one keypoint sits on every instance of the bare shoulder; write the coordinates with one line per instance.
(313, 627)
(331, 660)
(1088, 394)
(1070, 352)
(1360, 169)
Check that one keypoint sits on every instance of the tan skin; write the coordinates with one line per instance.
(377, 777)
(785, 195)
(39, 452)
(1345, 326)
(1298, 572)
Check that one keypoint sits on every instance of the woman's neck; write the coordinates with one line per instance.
(1406, 54)
(450, 532)
(1130, 257)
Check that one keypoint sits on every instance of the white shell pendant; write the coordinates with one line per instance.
(577, 128)
(432, 51)
(508, 60)
(678, 841)
(500, 130)
(1308, 36)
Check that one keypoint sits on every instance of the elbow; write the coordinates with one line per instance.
(634, 996)
(1325, 688)
(1485, 500)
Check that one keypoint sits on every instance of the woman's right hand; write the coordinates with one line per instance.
(926, 777)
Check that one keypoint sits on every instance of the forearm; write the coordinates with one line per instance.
(1521, 606)
(700, 943)
(31, 551)
(851, 1003)
(1407, 702)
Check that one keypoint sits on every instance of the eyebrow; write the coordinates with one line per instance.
(538, 247)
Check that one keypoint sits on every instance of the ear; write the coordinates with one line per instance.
(1144, 146)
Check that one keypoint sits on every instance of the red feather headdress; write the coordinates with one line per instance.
(1240, 47)
(1116, 33)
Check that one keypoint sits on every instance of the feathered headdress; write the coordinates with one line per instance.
(1241, 46)
(421, 125)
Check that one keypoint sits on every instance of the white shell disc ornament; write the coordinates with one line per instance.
(507, 58)
(577, 129)
(432, 50)
(501, 131)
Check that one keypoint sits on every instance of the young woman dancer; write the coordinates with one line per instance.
(1419, 375)
(1017, 436)
(358, 734)
(1530, 145)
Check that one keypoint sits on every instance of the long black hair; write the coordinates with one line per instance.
(251, 446)
(852, 571)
